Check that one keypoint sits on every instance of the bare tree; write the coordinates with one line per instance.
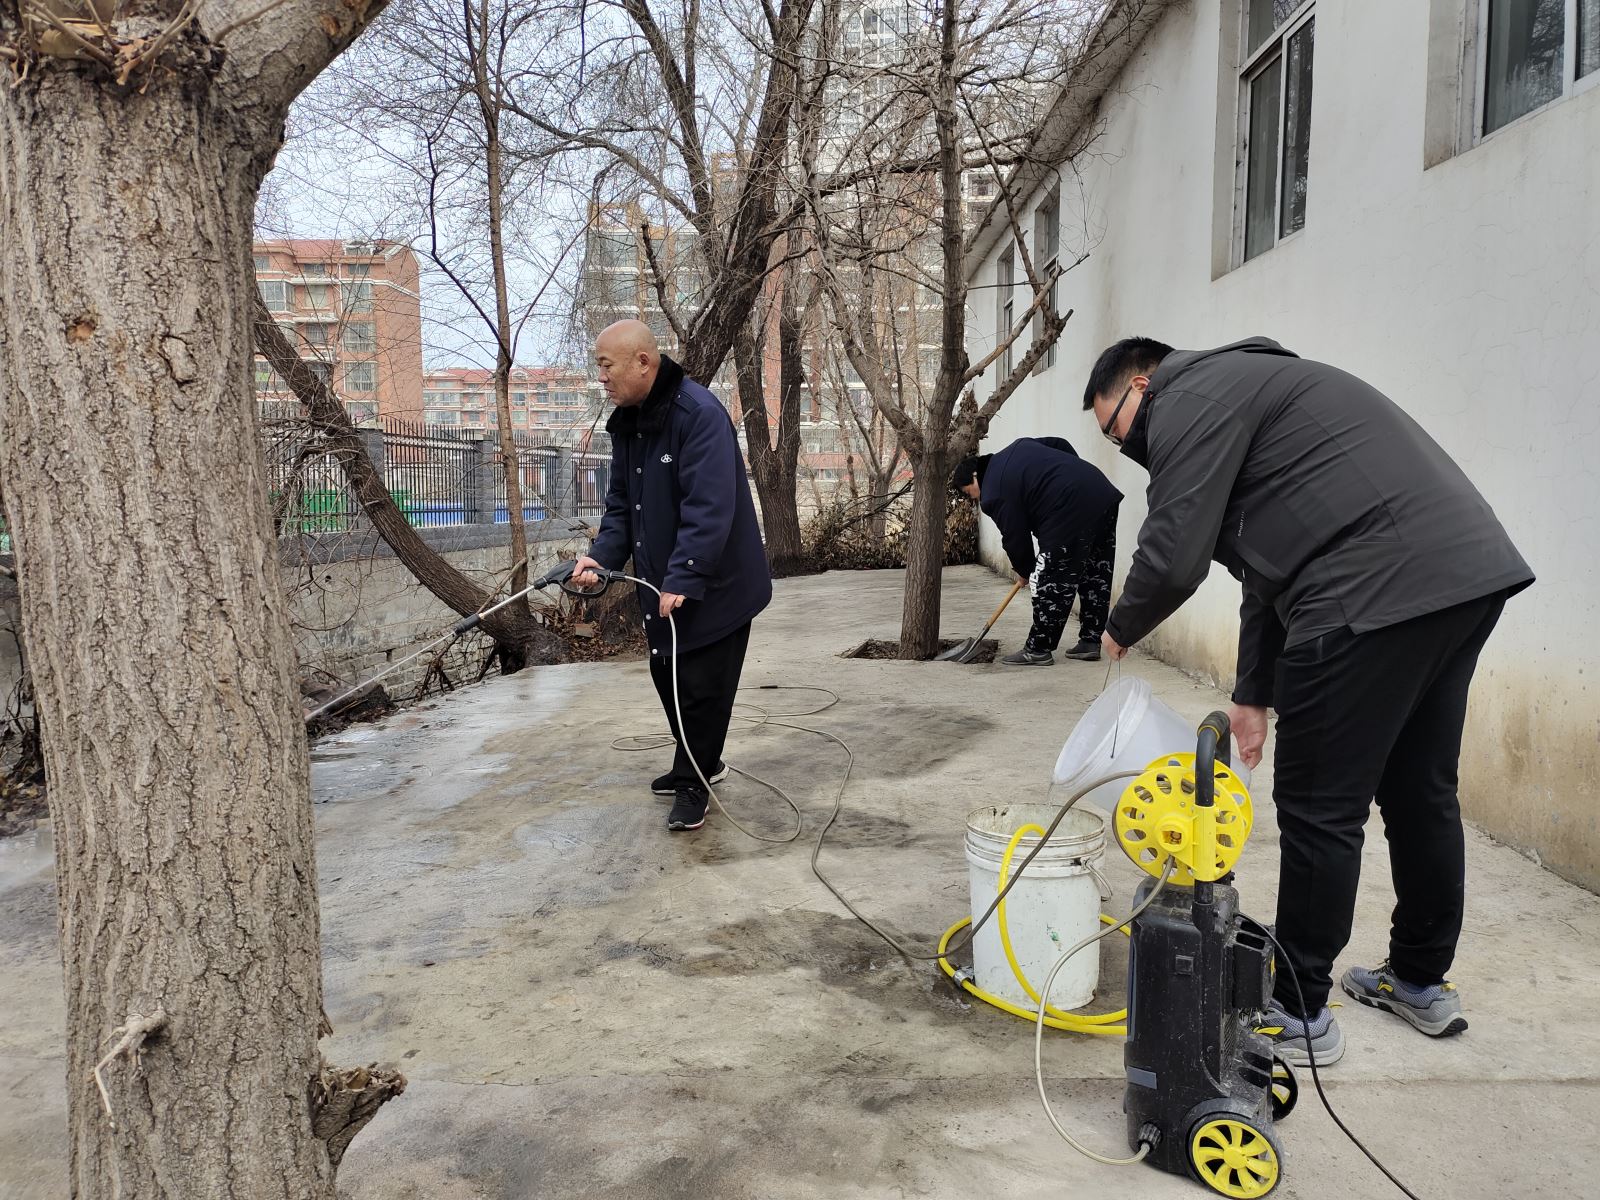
(133, 139)
(691, 109)
(518, 638)
(465, 171)
(897, 133)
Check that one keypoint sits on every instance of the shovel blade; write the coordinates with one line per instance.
(960, 652)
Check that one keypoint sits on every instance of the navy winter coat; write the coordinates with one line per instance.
(679, 504)
(1040, 488)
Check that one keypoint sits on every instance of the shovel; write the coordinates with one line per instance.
(965, 651)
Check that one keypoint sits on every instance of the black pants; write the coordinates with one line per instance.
(1083, 569)
(1364, 716)
(708, 680)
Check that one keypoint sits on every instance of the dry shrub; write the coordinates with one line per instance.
(846, 534)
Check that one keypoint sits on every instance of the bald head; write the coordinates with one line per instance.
(628, 357)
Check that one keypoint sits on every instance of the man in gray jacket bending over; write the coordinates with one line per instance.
(1373, 573)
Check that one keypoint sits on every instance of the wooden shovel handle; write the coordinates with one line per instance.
(1010, 596)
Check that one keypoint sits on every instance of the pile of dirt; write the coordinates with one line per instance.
(371, 703)
(598, 629)
(879, 649)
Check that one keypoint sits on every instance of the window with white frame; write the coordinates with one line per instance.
(1274, 123)
(359, 337)
(360, 377)
(356, 297)
(444, 418)
(323, 371)
(1005, 307)
(275, 294)
(1532, 52)
(1046, 254)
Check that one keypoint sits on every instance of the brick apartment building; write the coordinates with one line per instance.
(354, 311)
(557, 405)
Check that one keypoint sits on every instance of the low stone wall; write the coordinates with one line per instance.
(357, 609)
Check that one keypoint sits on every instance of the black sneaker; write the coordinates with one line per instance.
(1022, 658)
(688, 811)
(1087, 650)
(663, 785)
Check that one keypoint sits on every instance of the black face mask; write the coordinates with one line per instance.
(1137, 444)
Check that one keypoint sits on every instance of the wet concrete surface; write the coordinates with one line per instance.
(588, 1006)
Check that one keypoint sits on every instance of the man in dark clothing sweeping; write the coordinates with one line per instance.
(679, 504)
(1040, 488)
(1373, 574)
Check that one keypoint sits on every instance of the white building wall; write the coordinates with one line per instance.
(1469, 292)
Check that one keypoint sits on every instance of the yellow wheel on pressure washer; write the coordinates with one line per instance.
(1233, 1156)
(1155, 820)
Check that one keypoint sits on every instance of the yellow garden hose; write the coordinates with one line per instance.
(1104, 1024)
(1011, 957)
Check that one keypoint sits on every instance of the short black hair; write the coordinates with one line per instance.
(1120, 362)
(974, 466)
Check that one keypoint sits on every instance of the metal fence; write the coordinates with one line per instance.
(429, 471)
(538, 473)
(5, 536)
(437, 475)
(305, 481)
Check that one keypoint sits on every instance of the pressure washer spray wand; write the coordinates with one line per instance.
(558, 575)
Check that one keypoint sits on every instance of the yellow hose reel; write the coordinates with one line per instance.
(1157, 819)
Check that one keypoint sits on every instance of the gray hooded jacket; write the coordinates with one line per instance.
(1317, 492)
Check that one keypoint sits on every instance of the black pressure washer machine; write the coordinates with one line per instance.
(1204, 1088)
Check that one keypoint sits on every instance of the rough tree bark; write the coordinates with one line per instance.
(773, 463)
(518, 638)
(154, 615)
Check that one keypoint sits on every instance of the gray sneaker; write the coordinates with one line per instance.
(1435, 1010)
(1024, 659)
(1288, 1037)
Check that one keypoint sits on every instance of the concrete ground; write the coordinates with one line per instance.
(589, 1007)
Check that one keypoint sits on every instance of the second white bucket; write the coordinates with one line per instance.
(1126, 729)
(1055, 905)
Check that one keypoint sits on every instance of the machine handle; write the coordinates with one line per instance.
(1211, 745)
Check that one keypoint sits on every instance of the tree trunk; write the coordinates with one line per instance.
(919, 615)
(518, 638)
(158, 630)
(919, 627)
(775, 485)
(494, 179)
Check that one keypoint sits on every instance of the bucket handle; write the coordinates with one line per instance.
(1101, 881)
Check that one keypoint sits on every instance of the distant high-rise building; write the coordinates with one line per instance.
(555, 404)
(354, 312)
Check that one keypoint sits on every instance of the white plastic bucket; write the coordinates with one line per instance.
(1055, 904)
(1126, 729)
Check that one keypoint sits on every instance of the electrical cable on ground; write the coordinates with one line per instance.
(1038, 1029)
(1311, 1055)
(1100, 1023)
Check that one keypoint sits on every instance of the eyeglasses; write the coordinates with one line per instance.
(1112, 420)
